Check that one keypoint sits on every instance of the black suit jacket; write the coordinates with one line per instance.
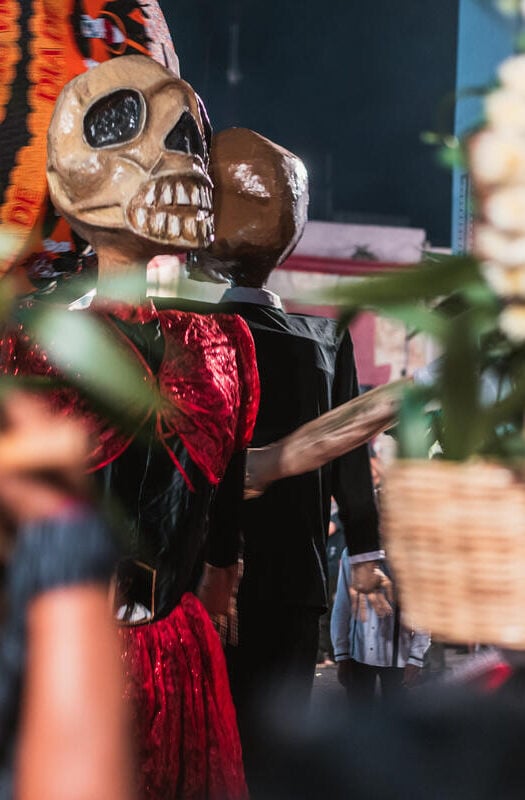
(306, 368)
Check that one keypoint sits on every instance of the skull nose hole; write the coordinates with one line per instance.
(186, 137)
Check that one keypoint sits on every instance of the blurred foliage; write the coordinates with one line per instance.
(87, 355)
(447, 298)
(91, 359)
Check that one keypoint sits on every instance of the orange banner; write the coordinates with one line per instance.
(66, 37)
(25, 198)
(9, 50)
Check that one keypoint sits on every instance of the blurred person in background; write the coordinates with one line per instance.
(63, 727)
(371, 645)
(334, 547)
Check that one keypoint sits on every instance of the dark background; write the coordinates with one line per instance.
(348, 86)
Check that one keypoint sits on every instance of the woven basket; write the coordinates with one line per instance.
(455, 537)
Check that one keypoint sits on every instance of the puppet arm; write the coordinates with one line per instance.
(322, 440)
(219, 579)
(325, 439)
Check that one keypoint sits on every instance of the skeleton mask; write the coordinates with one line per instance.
(260, 205)
(127, 152)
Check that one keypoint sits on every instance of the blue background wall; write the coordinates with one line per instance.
(485, 38)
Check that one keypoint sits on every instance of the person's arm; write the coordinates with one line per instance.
(352, 484)
(419, 645)
(220, 572)
(73, 742)
(341, 612)
(341, 621)
(353, 489)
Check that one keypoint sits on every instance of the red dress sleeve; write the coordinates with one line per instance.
(248, 376)
(209, 380)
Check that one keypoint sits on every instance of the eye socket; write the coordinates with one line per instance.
(114, 119)
(186, 137)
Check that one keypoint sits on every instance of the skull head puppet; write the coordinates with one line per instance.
(260, 204)
(127, 159)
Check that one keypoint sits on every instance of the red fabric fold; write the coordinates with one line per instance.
(184, 723)
(208, 380)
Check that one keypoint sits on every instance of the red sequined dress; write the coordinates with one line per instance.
(179, 479)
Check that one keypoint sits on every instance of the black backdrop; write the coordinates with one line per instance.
(347, 86)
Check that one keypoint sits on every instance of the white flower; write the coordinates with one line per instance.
(496, 157)
(512, 74)
(508, 7)
(505, 110)
(512, 322)
(501, 248)
(505, 281)
(505, 209)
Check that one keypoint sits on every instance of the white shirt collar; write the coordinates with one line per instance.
(247, 294)
(83, 302)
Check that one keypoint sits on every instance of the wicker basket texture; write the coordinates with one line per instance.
(455, 537)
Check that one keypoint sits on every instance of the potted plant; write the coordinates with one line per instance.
(454, 525)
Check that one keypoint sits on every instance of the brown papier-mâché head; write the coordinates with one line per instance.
(260, 204)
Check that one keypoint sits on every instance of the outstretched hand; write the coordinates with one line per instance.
(370, 585)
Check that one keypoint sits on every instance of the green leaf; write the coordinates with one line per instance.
(27, 383)
(425, 281)
(463, 429)
(94, 360)
(9, 243)
(7, 297)
(451, 157)
(419, 319)
(414, 432)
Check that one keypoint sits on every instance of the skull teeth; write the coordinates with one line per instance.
(157, 223)
(205, 198)
(190, 227)
(175, 211)
(206, 229)
(194, 230)
(183, 198)
(173, 226)
(167, 195)
(150, 196)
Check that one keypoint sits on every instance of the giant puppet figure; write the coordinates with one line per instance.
(127, 168)
(44, 44)
(306, 369)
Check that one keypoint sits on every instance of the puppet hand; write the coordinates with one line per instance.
(217, 587)
(369, 580)
(367, 577)
(359, 604)
(261, 470)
